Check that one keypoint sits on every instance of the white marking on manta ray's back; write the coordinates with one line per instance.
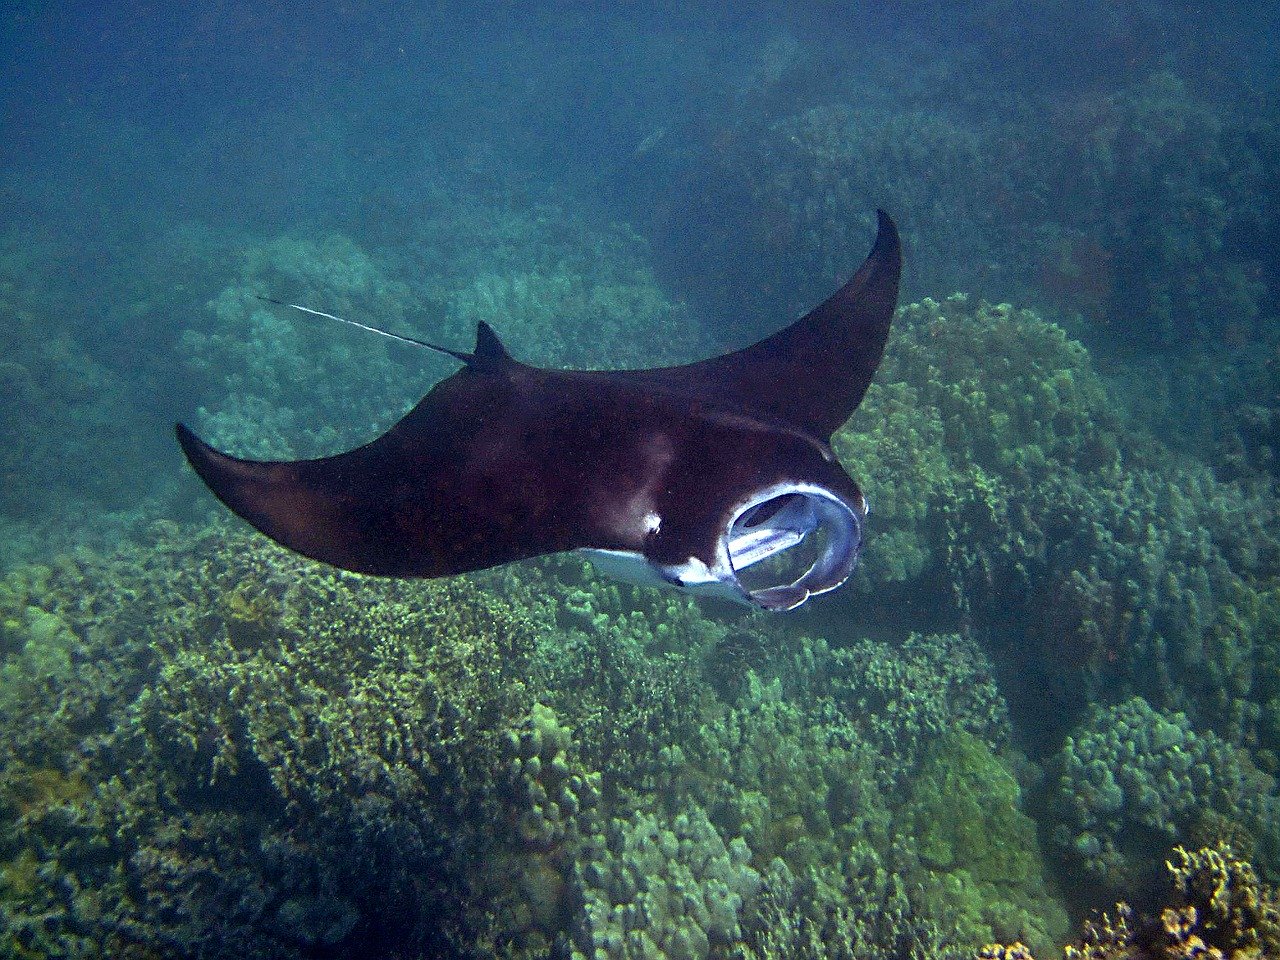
(635, 518)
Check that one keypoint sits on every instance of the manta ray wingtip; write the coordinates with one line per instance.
(202, 457)
(887, 237)
(187, 439)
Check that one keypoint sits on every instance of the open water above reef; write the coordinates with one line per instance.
(1060, 656)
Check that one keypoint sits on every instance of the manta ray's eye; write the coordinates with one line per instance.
(789, 542)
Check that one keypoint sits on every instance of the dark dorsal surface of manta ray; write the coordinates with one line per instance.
(680, 476)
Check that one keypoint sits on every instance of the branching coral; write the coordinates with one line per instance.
(1228, 906)
(1215, 909)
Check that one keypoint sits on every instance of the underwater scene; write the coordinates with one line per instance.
(763, 576)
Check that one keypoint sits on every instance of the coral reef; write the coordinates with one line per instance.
(1005, 483)
(343, 737)
(210, 748)
(550, 762)
(503, 751)
(1131, 780)
(225, 750)
(865, 913)
(1146, 207)
(796, 758)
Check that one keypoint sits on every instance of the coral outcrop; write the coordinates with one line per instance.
(662, 888)
(980, 863)
(1007, 485)
(1132, 780)
(1215, 908)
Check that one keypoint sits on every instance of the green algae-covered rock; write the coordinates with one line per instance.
(980, 861)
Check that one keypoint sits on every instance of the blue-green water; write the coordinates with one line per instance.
(1058, 660)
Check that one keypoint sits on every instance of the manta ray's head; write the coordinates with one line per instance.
(772, 548)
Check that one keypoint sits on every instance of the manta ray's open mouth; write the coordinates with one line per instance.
(781, 545)
(790, 542)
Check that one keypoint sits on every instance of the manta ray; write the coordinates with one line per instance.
(681, 476)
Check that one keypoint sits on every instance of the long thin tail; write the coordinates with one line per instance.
(456, 354)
